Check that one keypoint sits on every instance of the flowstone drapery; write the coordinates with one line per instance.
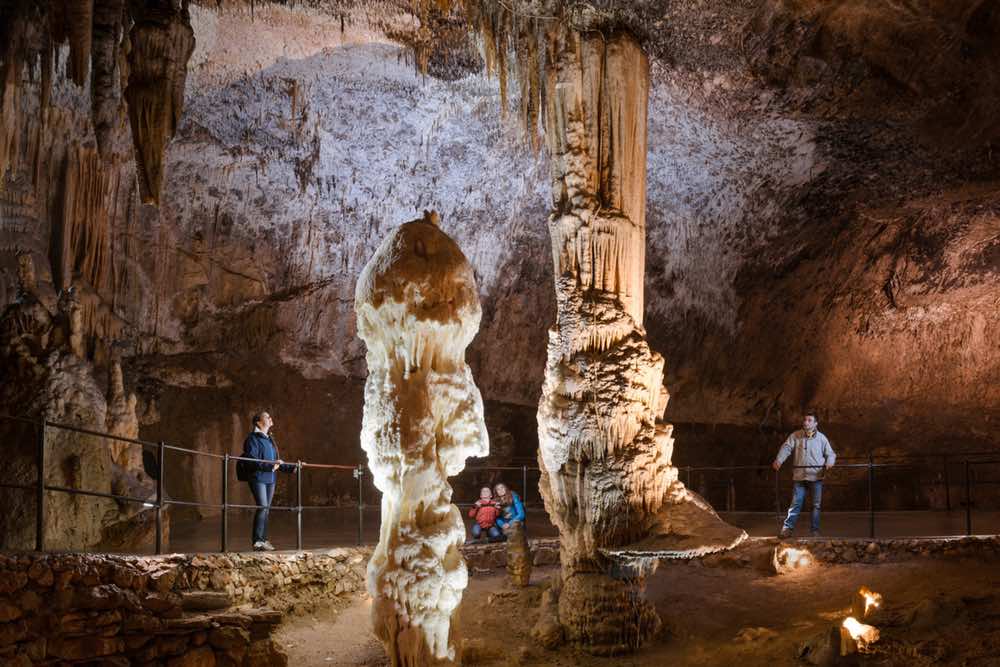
(607, 478)
(418, 309)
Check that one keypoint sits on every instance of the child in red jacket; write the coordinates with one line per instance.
(485, 512)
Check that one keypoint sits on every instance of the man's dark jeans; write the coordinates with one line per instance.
(262, 495)
(799, 498)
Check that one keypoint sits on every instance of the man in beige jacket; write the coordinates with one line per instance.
(813, 457)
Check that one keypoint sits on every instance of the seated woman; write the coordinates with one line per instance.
(512, 509)
(485, 512)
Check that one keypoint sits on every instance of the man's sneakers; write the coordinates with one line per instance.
(814, 533)
(263, 546)
(785, 533)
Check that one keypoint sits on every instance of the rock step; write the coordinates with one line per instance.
(205, 600)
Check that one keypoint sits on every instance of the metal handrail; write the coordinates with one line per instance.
(161, 502)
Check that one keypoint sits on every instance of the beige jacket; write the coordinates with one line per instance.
(812, 455)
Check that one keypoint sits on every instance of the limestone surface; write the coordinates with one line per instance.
(417, 311)
(607, 476)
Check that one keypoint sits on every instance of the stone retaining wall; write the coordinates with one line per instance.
(490, 556)
(890, 550)
(758, 551)
(176, 611)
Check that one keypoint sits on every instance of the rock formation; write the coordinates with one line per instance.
(161, 44)
(417, 310)
(47, 376)
(519, 558)
(607, 479)
(44, 378)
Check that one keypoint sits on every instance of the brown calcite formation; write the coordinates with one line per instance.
(79, 15)
(161, 44)
(519, 558)
(607, 479)
(121, 419)
(47, 376)
(105, 91)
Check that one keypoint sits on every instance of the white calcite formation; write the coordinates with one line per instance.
(607, 480)
(417, 310)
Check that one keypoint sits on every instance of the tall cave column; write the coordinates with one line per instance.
(607, 479)
(417, 310)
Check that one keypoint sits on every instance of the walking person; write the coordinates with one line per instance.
(813, 457)
(260, 475)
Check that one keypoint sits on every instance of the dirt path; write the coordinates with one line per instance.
(332, 637)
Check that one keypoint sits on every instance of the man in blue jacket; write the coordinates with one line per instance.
(260, 445)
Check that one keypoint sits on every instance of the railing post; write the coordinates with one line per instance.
(524, 484)
(968, 500)
(161, 451)
(731, 493)
(871, 500)
(40, 491)
(947, 485)
(225, 503)
(359, 472)
(298, 505)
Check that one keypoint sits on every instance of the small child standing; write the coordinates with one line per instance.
(485, 512)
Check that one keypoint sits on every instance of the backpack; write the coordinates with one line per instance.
(243, 470)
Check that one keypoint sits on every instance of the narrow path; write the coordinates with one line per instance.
(334, 637)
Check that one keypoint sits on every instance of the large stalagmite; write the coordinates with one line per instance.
(607, 478)
(417, 310)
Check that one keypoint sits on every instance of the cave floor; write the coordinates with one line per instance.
(936, 611)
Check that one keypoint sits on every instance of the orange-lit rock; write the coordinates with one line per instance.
(607, 478)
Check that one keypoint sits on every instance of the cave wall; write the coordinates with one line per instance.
(822, 225)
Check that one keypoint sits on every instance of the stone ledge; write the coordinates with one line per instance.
(861, 550)
(489, 556)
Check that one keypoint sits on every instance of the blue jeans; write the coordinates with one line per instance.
(492, 531)
(262, 495)
(799, 498)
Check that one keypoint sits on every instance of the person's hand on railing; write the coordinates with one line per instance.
(775, 466)
(277, 465)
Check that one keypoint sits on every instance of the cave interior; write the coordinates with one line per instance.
(606, 254)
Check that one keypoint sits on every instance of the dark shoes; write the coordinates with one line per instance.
(785, 533)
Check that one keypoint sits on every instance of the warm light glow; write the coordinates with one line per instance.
(872, 599)
(861, 633)
(796, 557)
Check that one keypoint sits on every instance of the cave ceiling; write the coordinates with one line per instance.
(213, 175)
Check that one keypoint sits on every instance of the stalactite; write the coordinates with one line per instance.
(104, 91)
(161, 42)
(529, 79)
(79, 19)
